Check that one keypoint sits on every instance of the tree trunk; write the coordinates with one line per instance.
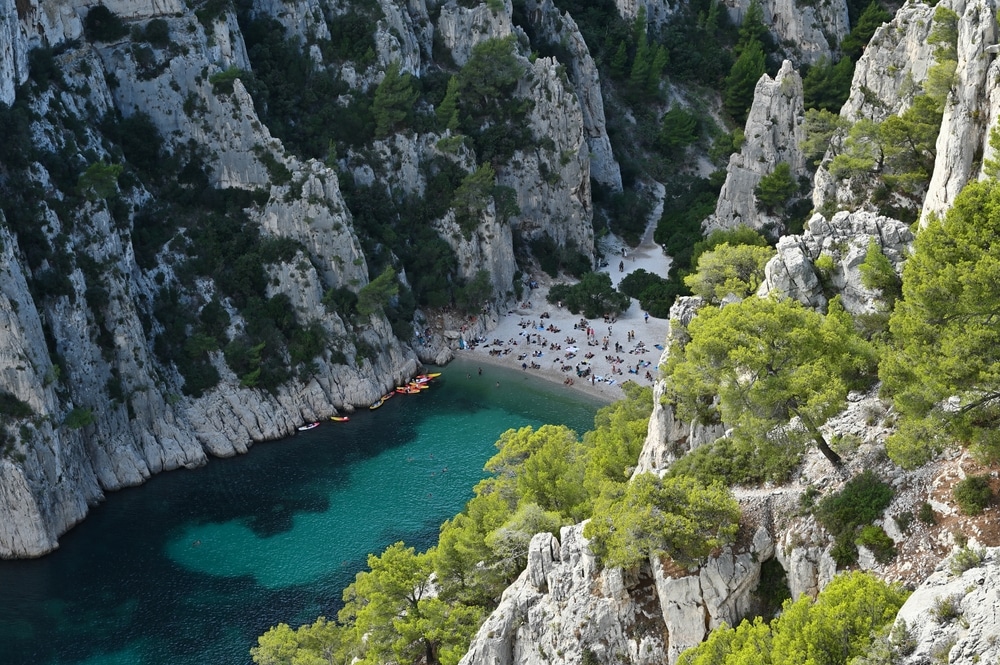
(821, 443)
(825, 448)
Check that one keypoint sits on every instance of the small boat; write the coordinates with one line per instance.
(308, 426)
(388, 395)
(339, 419)
(428, 377)
(376, 404)
(418, 386)
(407, 390)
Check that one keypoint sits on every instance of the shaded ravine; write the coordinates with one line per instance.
(192, 566)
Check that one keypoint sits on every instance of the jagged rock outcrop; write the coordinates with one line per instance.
(967, 633)
(963, 138)
(807, 32)
(720, 591)
(461, 28)
(845, 238)
(565, 604)
(552, 181)
(668, 438)
(562, 29)
(774, 134)
(893, 66)
(658, 12)
(13, 52)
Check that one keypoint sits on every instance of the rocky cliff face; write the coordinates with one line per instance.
(807, 32)
(844, 239)
(963, 138)
(774, 134)
(968, 634)
(107, 411)
(567, 607)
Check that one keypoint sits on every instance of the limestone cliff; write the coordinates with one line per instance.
(807, 32)
(963, 138)
(87, 272)
(844, 239)
(774, 134)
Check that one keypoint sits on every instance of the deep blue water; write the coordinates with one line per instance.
(189, 568)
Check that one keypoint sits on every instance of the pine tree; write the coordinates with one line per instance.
(447, 110)
(394, 100)
(737, 96)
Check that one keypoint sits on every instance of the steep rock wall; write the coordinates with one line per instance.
(807, 32)
(963, 137)
(774, 134)
(893, 66)
(552, 182)
(562, 29)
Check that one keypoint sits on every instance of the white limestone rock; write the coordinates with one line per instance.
(963, 137)
(973, 636)
(552, 182)
(774, 134)
(892, 68)
(461, 28)
(845, 238)
(303, 18)
(806, 32)
(578, 609)
(586, 82)
(658, 12)
(13, 52)
(318, 218)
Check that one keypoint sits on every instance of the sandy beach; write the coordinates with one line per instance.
(553, 343)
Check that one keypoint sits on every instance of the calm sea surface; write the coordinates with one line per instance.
(189, 568)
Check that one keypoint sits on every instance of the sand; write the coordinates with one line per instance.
(514, 340)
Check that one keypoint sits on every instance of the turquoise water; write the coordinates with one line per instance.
(189, 568)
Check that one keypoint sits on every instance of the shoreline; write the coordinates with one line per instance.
(557, 345)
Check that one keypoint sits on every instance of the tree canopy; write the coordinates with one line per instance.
(729, 270)
(652, 516)
(768, 360)
(842, 624)
(943, 370)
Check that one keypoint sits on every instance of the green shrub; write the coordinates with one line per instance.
(157, 33)
(926, 514)
(946, 608)
(734, 463)
(222, 82)
(12, 407)
(973, 494)
(103, 25)
(878, 541)
(844, 553)
(79, 417)
(903, 520)
(965, 559)
(594, 296)
(860, 502)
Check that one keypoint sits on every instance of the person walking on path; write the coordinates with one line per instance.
(621, 266)
(646, 316)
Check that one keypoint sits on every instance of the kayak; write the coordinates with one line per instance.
(307, 426)
(407, 390)
(428, 377)
(339, 419)
(378, 403)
